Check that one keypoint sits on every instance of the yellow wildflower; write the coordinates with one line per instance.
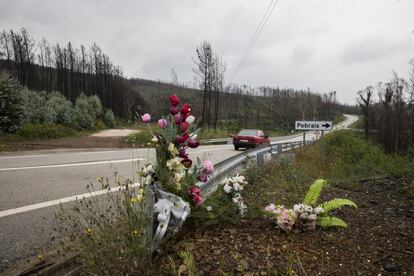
(134, 200)
(89, 230)
(40, 257)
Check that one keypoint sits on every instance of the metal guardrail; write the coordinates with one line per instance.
(226, 167)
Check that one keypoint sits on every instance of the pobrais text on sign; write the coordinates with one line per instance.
(313, 125)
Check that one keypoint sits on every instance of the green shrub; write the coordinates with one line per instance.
(83, 120)
(109, 118)
(110, 233)
(44, 131)
(11, 107)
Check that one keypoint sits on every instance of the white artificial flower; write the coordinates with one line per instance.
(154, 139)
(209, 208)
(298, 208)
(308, 209)
(190, 119)
(303, 216)
(318, 210)
(148, 179)
(312, 217)
(242, 208)
(236, 198)
(237, 187)
(240, 178)
(227, 188)
(270, 208)
(232, 180)
(177, 177)
(150, 168)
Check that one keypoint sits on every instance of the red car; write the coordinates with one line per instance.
(250, 138)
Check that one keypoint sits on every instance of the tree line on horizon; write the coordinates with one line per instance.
(42, 66)
(388, 112)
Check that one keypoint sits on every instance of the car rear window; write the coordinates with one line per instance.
(247, 132)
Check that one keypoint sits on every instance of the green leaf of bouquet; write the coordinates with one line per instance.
(314, 191)
(330, 222)
(335, 204)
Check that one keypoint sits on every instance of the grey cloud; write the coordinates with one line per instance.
(374, 48)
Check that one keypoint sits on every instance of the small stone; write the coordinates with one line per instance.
(390, 266)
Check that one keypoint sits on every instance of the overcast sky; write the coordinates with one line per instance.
(342, 45)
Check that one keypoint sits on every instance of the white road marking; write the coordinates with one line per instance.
(23, 156)
(50, 203)
(94, 152)
(72, 164)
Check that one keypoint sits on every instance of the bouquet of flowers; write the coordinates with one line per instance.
(307, 215)
(175, 171)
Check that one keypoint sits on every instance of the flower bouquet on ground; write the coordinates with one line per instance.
(308, 215)
(174, 176)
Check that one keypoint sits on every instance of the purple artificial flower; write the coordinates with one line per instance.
(162, 123)
(193, 143)
(207, 167)
(203, 177)
(174, 110)
(146, 118)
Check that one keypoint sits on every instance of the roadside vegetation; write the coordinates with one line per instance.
(354, 169)
(40, 115)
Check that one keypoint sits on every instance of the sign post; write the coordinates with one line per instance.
(313, 125)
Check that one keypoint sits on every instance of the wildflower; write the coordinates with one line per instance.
(140, 195)
(89, 230)
(190, 119)
(174, 100)
(133, 200)
(318, 210)
(136, 233)
(40, 257)
(227, 188)
(162, 123)
(99, 179)
(209, 208)
(146, 118)
(172, 149)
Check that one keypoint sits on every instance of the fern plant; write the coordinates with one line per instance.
(324, 218)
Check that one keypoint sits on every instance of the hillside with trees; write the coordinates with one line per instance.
(42, 66)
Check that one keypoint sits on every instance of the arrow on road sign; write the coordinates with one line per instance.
(326, 125)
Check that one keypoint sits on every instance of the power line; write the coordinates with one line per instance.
(256, 35)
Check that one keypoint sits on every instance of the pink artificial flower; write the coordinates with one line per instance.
(177, 118)
(203, 177)
(195, 195)
(162, 123)
(207, 167)
(184, 126)
(146, 118)
(174, 110)
(184, 137)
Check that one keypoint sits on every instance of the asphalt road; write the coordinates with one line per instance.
(29, 178)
